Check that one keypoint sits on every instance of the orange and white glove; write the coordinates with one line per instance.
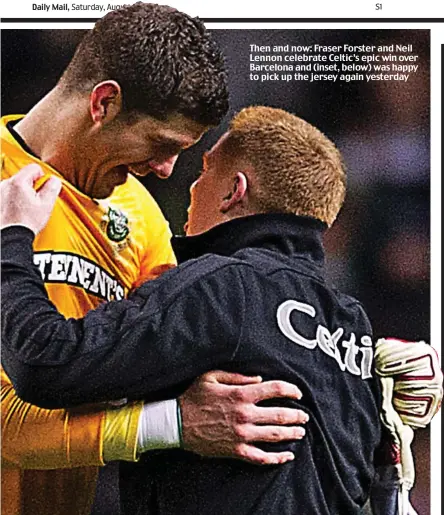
(417, 378)
(412, 391)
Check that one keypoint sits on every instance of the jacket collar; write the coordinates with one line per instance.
(285, 233)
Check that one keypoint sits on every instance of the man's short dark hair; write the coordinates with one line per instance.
(164, 60)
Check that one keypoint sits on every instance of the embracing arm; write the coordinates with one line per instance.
(130, 348)
(60, 362)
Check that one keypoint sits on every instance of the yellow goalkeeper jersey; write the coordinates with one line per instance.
(90, 252)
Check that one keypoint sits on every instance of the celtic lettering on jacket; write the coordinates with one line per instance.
(68, 268)
(356, 359)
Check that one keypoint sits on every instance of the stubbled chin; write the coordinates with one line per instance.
(143, 171)
(134, 172)
(139, 172)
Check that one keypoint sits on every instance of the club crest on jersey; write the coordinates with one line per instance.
(117, 227)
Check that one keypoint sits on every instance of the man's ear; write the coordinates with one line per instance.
(105, 102)
(238, 193)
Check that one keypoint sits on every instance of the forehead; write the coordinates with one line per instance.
(217, 151)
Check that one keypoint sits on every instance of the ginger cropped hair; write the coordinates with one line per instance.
(164, 61)
(297, 169)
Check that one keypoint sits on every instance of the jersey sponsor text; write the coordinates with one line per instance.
(69, 268)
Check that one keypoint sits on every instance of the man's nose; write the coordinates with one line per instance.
(163, 169)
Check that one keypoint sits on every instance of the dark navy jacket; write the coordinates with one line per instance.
(257, 304)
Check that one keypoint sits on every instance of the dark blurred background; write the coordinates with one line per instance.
(379, 248)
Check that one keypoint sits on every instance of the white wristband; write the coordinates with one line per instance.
(158, 426)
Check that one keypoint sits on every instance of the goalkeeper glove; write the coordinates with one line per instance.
(412, 392)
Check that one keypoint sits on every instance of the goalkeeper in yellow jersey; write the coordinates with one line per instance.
(198, 316)
(144, 84)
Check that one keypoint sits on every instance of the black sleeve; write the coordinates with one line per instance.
(169, 331)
